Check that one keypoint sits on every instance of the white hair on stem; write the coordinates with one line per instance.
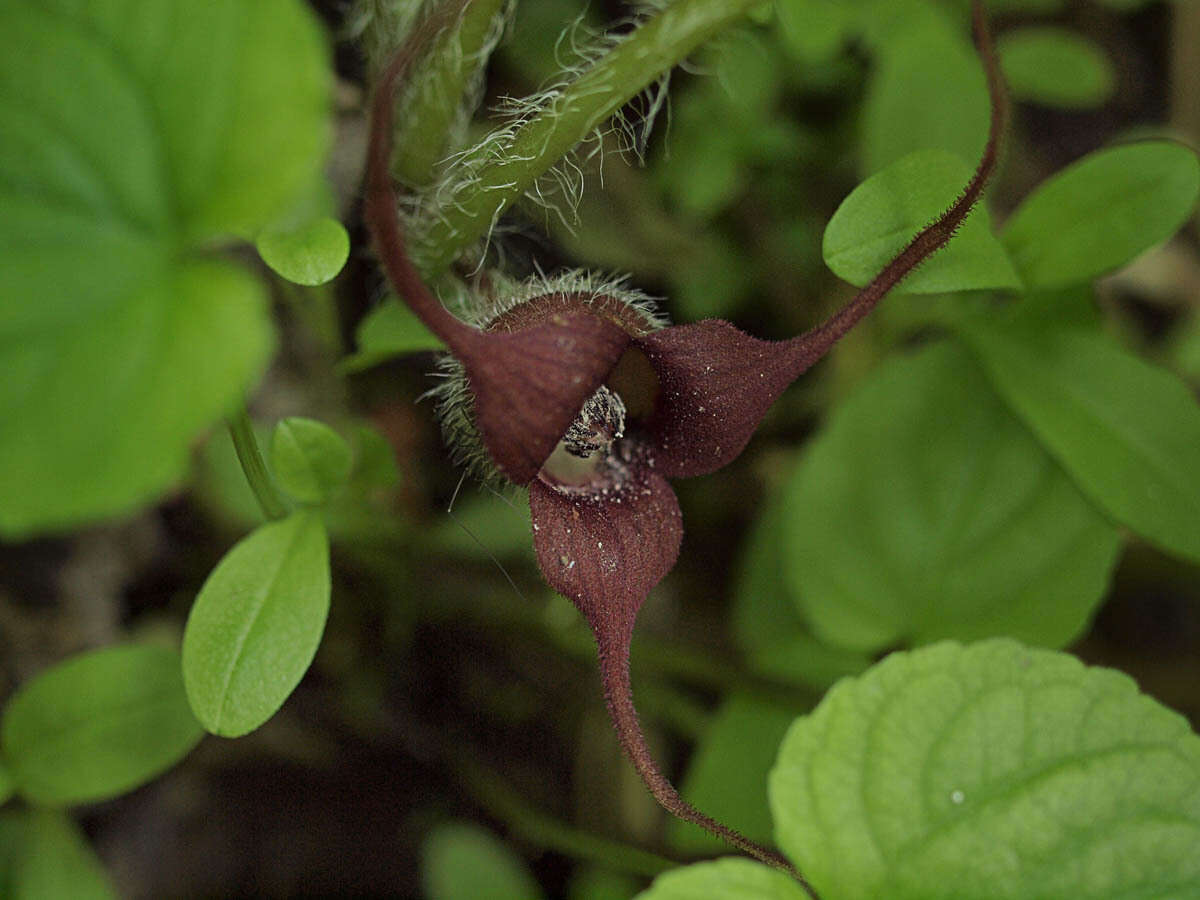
(559, 190)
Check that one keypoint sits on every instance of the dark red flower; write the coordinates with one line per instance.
(583, 400)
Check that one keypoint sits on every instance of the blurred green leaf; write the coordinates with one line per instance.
(592, 883)
(883, 214)
(465, 862)
(727, 774)
(1126, 431)
(748, 72)
(7, 787)
(1055, 67)
(484, 526)
(767, 625)
(990, 771)
(706, 169)
(925, 510)
(310, 254)
(123, 150)
(814, 30)
(374, 460)
(712, 285)
(98, 725)
(52, 860)
(724, 879)
(388, 331)
(310, 460)
(1102, 211)
(255, 626)
(927, 92)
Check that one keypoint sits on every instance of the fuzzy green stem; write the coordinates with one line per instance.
(428, 114)
(569, 118)
(241, 429)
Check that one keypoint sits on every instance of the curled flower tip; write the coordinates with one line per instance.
(614, 670)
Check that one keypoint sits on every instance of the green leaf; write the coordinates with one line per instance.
(312, 254)
(1055, 67)
(1102, 211)
(98, 725)
(724, 879)
(813, 31)
(256, 624)
(7, 787)
(465, 862)
(1126, 431)
(389, 330)
(990, 771)
(925, 510)
(727, 774)
(884, 213)
(767, 625)
(51, 860)
(595, 883)
(125, 149)
(927, 91)
(374, 460)
(310, 460)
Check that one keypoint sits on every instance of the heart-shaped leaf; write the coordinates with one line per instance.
(990, 771)
(256, 624)
(132, 137)
(1126, 431)
(926, 510)
(98, 725)
(886, 211)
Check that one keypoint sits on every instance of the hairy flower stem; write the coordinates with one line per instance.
(437, 97)
(614, 670)
(633, 64)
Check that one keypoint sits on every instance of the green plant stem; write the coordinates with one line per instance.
(241, 429)
(503, 802)
(569, 117)
(437, 93)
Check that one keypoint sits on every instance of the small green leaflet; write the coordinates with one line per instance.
(309, 459)
(725, 879)
(925, 510)
(98, 725)
(880, 216)
(1055, 67)
(990, 771)
(388, 331)
(43, 856)
(127, 154)
(310, 254)
(256, 624)
(1126, 431)
(465, 862)
(1102, 211)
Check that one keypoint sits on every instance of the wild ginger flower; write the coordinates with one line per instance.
(583, 397)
